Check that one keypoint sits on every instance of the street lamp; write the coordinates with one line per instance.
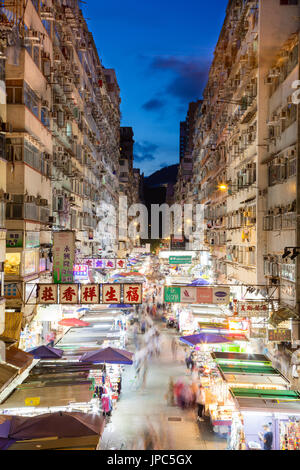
(229, 186)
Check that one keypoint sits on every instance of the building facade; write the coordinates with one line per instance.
(246, 153)
(61, 143)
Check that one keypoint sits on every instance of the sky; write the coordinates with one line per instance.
(161, 51)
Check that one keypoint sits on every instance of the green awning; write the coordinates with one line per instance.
(223, 356)
(243, 369)
(265, 394)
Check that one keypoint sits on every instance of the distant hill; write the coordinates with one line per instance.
(166, 175)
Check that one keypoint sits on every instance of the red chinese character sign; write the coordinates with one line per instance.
(111, 294)
(132, 293)
(47, 294)
(68, 294)
(121, 264)
(90, 294)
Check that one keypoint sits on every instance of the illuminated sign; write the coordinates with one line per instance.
(88, 294)
(80, 272)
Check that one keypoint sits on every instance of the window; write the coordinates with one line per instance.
(14, 90)
(45, 117)
(31, 100)
(36, 56)
(2, 214)
(288, 2)
(47, 26)
(2, 70)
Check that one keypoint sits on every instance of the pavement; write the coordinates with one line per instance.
(139, 409)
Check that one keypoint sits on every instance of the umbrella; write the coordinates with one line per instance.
(60, 424)
(72, 322)
(121, 306)
(83, 309)
(46, 352)
(199, 282)
(208, 338)
(108, 355)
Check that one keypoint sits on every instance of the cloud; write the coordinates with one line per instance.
(189, 76)
(144, 151)
(153, 105)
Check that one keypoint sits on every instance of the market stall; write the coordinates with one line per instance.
(259, 411)
(238, 370)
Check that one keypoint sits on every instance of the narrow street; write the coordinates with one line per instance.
(136, 408)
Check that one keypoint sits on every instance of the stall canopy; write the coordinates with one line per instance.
(7, 374)
(109, 356)
(247, 369)
(205, 338)
(267, 401)
(284, 395)
(125, 306)
(61, 424)
(229, 357)
(18, 358)
(46, 352)
(200, 282)
(72, 322)
(56, 391)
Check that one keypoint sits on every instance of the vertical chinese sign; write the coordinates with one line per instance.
(63, 257)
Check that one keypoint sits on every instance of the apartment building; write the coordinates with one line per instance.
(246, 150)
(131, 190)
(3, 126)
(185, 170)
(62, 142)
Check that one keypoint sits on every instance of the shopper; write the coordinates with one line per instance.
(267, 437)
(200, 401)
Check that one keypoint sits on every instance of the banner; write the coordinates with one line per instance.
(220, 295)
(76, 294)
(63, 257)
(253, 309)
(47, 293)
(102, 263)
(172, 295)
(80, 272)
(111, 294)
(90, 294)
(68, 294)
(197, 295)
(204, 295)
(132, 293)
(280, 335)
(177, 260)
(14, 239)
(188, 295)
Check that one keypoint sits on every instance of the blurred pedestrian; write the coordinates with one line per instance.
(200, 400)
(174, 348)
(170, 393)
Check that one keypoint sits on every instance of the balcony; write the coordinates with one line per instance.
(27, 211)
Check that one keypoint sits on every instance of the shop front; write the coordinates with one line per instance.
(265, 415)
